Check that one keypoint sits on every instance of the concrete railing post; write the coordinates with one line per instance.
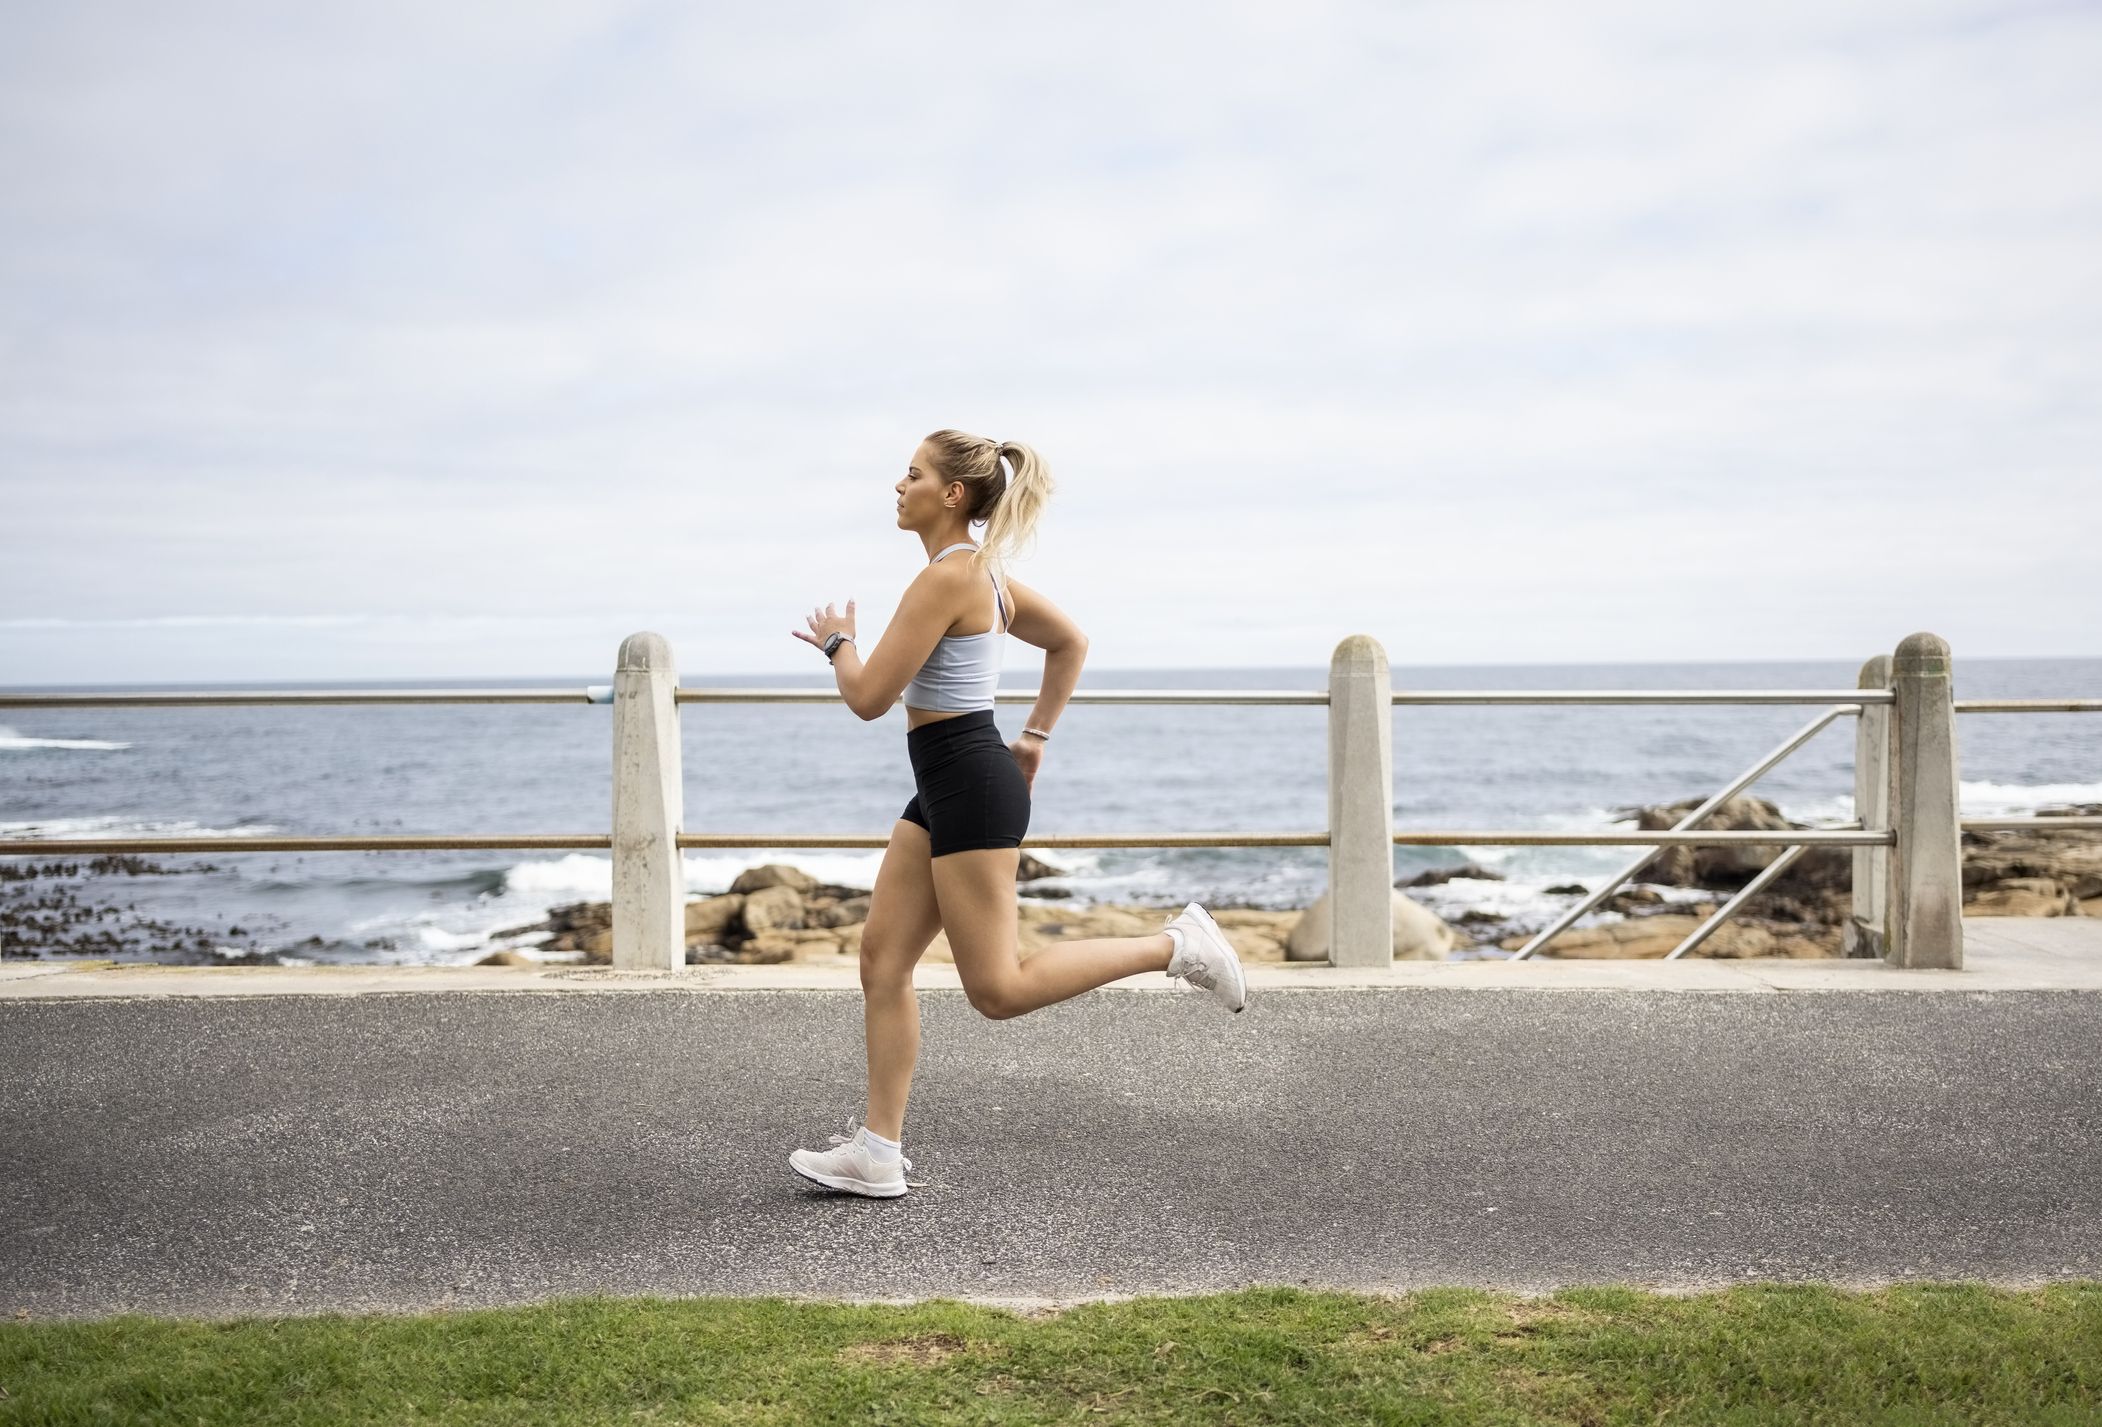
(1360, 805)
(1863, 934)
(649, 878)
(1924, 907)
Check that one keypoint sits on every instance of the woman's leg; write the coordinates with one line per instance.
(902, 921)
(975, 891)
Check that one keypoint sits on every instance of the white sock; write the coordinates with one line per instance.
(1175, 936)
(879, 1147)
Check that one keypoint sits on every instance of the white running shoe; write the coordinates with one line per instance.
(1207, 958)
(852, 1167)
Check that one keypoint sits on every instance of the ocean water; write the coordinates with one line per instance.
(478, 768)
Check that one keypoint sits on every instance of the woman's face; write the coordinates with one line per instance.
(920, 493)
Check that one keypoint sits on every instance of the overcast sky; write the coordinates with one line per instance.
(374, 340)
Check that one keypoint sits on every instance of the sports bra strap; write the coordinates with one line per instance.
(999, 597)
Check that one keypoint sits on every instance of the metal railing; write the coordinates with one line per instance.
(1905, 786)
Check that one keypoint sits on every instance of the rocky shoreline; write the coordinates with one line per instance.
(42, 914)
(776, 912)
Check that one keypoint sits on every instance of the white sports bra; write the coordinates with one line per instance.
(961, 673)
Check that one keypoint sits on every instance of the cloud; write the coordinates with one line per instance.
(1484, 327)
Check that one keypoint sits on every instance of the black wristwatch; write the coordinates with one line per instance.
(834, 640)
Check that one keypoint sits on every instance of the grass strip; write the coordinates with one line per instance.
(1761, 1353)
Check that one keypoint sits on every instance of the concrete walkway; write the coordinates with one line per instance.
(276, 1150)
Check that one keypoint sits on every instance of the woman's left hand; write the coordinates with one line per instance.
(823, 622)
(1029, 755)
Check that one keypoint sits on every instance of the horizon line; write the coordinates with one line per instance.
(603, 676)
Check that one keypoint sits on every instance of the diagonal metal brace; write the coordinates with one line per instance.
(1686, 823)
(1743, 894)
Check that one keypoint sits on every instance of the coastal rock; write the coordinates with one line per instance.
(774, 907)
(44, 914)
(1437, 875)
(1031, 869)
(578, 926)
(2016, 859)
(1257, 934)
(1687, 865)
(1656, 936)
(575, 916)
(706, 919)
(1079, 923)
(774, 874)
(1254, 935)
(2024, 897)
(838, 914)
(766, 949)
(1419, 933)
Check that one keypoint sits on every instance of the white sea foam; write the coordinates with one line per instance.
(113, 827)
(586, 876)
(452, 936)
(572, 877)
(714, 871)
(1838, 808)
(1090, 886)
(436, 940)
(1586, 818)
(14, 740)
(2013, 800)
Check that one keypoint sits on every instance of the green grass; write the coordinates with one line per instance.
(1779, 1353)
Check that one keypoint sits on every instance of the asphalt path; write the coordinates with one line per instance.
(291, 1154)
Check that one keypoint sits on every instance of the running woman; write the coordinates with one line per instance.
(954, 851)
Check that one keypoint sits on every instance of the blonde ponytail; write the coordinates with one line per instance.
(1010, 505)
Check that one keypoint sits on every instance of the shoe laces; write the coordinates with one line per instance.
(848, 1139)
(1194, 969)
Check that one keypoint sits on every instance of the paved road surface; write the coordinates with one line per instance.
(295, 1153)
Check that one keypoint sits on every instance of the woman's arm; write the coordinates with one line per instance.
(924, 613)
(1039, 622)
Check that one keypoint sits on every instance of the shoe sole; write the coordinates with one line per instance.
(1233, 958)
(851, 1186)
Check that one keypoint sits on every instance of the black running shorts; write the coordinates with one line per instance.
(972, 793)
